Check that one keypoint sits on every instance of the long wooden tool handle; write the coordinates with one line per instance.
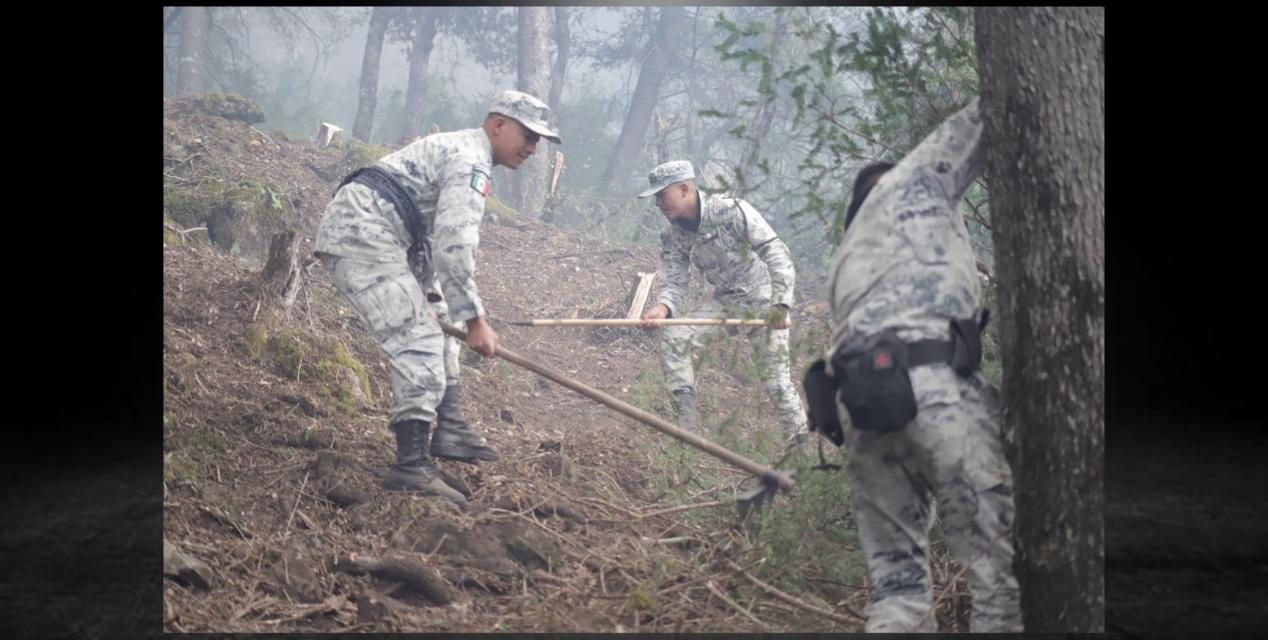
(635, 322)
(784, 481)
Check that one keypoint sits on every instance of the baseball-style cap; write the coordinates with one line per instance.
(530, 112)
(666, 174)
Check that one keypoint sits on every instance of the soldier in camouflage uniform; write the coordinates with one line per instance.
(738, 253)
(399, 238)
(905, 264)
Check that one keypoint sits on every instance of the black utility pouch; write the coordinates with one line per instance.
(874, 385)
(821, 409)
(966, 334)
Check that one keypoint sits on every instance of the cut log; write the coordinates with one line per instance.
(399, 566)
(640, 295)
(326, 134)
(559, 169)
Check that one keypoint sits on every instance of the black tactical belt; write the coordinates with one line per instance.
(929, 352)
(386, 186)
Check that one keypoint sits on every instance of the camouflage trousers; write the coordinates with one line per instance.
(679, 344)
(948, 460)
(395, 310)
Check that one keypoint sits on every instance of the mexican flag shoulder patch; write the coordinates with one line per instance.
(480, 182)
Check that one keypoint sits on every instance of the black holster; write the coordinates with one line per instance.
(966, 338)
(821, 404)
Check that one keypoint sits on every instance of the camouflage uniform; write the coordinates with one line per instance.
(364, 243)
(737, 252)
(905, 264)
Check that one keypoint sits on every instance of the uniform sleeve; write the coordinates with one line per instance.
(772, 251)
(464, 186)
(674, 265)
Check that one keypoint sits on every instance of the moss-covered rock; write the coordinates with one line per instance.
(285, 353)
(361, 155)
(248, 215)
(496, 211)
(231, 107)
(192, 206)
(180, 369)
(289, 352)
(344, 380)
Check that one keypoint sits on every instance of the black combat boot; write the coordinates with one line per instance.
(413, 470)
(685, 408)
(453, 438)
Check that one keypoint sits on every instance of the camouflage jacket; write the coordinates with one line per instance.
(905, 262)
(735, 250)
(448, 176)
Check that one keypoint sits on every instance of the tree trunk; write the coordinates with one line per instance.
(646, 94)
(281, 277)
(563, 42)
(419, 55)
(193, 43)
(534, 79)
(368, 98)
(1042, 88)
(171, 18)
(693, 148)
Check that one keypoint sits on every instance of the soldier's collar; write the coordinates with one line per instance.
(485, 144)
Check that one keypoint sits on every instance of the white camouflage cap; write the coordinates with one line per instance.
(666, 174)
(530, 112)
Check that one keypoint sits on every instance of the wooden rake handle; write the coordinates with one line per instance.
(768, 474)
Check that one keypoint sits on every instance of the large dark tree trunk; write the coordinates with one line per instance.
(646, 94)
(368, 97)
(534, 79)
(193, 44)
(1042, 85)
(419, 56)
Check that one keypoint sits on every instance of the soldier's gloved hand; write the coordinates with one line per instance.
(777, 318)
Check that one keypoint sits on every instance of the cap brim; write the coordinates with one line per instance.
(543, 132)
(651, 192)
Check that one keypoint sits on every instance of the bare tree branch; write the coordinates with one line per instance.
(318, 43)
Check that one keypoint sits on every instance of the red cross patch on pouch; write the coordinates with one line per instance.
(882, 361)
(480, 182)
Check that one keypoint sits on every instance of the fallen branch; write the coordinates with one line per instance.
(265, 136)
(797, 602)
(681, 508)
(333, 604)
(298, 495)
(224, 519)
(674, 540)
(734, 605)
